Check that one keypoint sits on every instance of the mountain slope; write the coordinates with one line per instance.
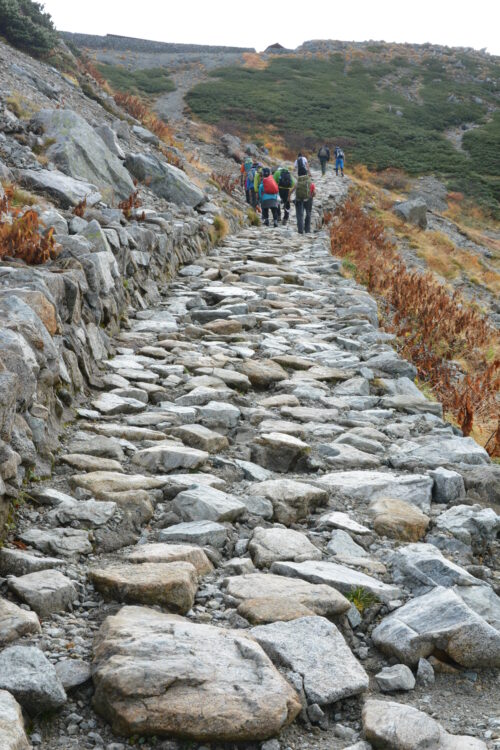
(423, 109)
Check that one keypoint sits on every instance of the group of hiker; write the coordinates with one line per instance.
(269, 191)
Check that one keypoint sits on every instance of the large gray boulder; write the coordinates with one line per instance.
(80, 152)
(314, 648)
(66, 191)
(413, 211)
(451, 451)
(27, 673)
(472, 524)
(165, 180)
(439, 620)
(12, 734)
(158, 674)
(394, 726)
(421, 567)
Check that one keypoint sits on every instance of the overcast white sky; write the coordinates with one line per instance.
(290, 22)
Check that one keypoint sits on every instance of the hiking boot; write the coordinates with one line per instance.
(266, 223)
(275, 224)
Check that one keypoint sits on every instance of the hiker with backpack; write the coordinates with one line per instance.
(250, 184)
(257, 180)
(286, 185)
(268, 197)
(324, 157)
(301, 165)
(339, 161)
(244, 170)
(305, 191)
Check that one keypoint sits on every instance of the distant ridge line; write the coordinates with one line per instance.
(133, 44)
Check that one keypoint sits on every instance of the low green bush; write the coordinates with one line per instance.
(148, 81)
(27, 26)
(385, 113)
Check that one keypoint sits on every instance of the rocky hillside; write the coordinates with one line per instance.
(228, 516)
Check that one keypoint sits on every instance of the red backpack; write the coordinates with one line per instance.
(270, 185)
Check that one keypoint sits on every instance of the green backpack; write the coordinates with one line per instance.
(303, 190)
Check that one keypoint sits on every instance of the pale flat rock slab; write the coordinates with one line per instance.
(27, 673)
(322, 600)
(110, 404)
(167, 553)
(223, 292)
(292, 501)
(395, 679)
(285, 399)
(309, 414)
(87, 513)
(281, 425)
(168, 456)
(207, 504)
(471, 524)
(176, 483)
(278, 451)
(342, 544)
(396, 726)
(365, 486)
(99, 482)
(73, 673)
(17, 562)
(94, 444)
(196, 532)
(201, 396)
(421, 567)
(232, 378)
(64, 542)
(337, 520)
(483, 600)
(125, 432)
(172, 585)
(440, 620)
(46, 592)
(218, 414)
(16, 622)
(153, 671)
(50, 496)
(199, 436)
(453, 451)
(263, 611)
(12, 734)
(338, 576)
(314, 648)
(262, 373)
(398, 519)
(83, 462)
(269, 545)
(347, 456)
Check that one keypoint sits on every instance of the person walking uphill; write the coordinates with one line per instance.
(301, 165)
(286, 185)
(268, 196)
(244, 170)
(304, 194)
(339, 161)
(324, 158)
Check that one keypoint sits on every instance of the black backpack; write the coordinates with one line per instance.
(301, 166)
(285, 179)
(324, 152)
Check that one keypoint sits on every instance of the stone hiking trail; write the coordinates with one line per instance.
(260, 457)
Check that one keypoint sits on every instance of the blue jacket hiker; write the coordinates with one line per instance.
(339, 161)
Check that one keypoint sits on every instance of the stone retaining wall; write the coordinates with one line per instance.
(56, 323)
(130, 44)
